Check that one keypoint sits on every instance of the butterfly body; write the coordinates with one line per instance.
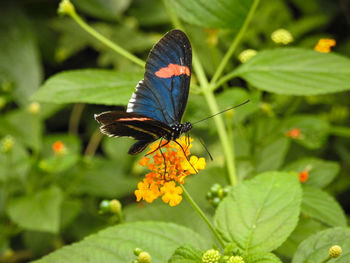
(156, 107)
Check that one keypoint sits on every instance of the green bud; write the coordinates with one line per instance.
(211, 256)
(104, 206)
(65, 8)
(215, 189)
(247, 54)
(115, 206)
(335, 251)
(137, 251)
(282, 36)
(144, 257)
(7, 144)
(235, 259)
(216, 201)
(209, 195)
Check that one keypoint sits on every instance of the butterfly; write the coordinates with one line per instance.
(156, 107)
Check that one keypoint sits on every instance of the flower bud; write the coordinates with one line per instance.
(144, 257)
(211, 256)
(115, 206)
(247, 54)
(104, 206)
(7, 144)
(335, 251)
(34, 107)
(235, 259)
(137, 251)
(282, 36)
(65, 8)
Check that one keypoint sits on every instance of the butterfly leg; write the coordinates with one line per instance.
(186, 156)
(158, 148)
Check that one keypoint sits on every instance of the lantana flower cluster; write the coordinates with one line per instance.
(169, 164)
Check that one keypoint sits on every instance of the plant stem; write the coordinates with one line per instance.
(202, 215)
(93, 143)
(75, 117)
(105, 40)
(235, 43)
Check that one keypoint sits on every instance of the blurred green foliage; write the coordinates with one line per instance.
(56, 167)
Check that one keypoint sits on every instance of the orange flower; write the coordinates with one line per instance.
(59, 148)
(169, 166)
(294, 133)
(304, 174)
(324, 45)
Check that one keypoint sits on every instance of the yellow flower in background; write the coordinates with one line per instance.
(169, 167)
(324, 45)
(282, 36)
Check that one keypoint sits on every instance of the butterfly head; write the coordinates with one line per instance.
(178, 129)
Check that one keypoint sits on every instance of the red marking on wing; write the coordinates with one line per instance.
(134, 119)
(173, 70)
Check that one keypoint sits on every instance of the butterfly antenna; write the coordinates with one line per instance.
(205, 147)
(221, 112)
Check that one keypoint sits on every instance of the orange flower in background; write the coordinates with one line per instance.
(167, 170)
(304, 174)
(59, 148)
(294, 133)
(324, 45)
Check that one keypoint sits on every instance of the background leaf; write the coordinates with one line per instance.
(90, 85)
(296, 71)
(19, 57)
(315, 248)
(116, 244)
(321, 172)
(213, 13)
(39, 212)
(260, 213)
(321, 206)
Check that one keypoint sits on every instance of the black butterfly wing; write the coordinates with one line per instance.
(138, 127)
(162, 94)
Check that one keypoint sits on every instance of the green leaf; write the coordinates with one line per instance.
(262, 258)
(305, 228)
(90, 86)
(296, 71)
(116, 244)
(321, 172)
(313, 130)
(321, 206)
(213, 13)
(14, 164)
(38, 212)
(270, 156)
(103, 178)
(315, 248)
(19, 57)
(186, 254)
(23, 126)
(260, 213)
(105, 9)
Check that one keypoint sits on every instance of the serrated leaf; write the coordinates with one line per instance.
(262, 258)
(213, 13)
(90, 86)
(186, 254)
(116, 244)
(19, 57)
(296, 71)
(313, 130)
(38, 212)
(321, 172)
(260, 213)
(321, 206)
(315, 248)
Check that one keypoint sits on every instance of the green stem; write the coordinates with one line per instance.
(340, 131)
(105, 40)
(75, 118)
(210, 98)
(224, 79)
(202, 215)
(235, 43)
